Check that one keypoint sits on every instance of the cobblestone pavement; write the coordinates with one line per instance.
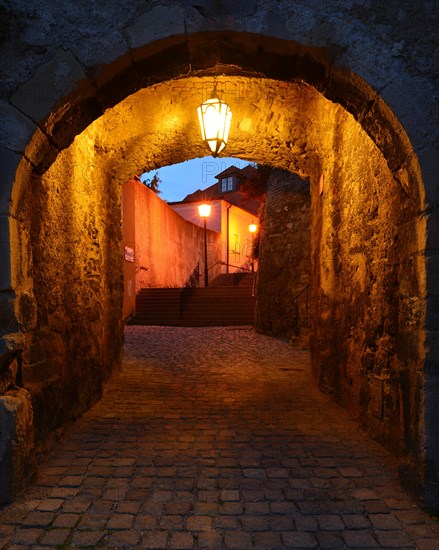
(215, 438)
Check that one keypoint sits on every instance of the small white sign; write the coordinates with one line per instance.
(129, 254)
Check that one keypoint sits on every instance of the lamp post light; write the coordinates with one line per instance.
(204, 213)
(214, 116)
(252, 228)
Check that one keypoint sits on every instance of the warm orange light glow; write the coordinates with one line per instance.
(214, 116)
(252, 228)
(204, 210)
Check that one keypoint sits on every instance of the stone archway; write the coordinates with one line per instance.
(66, 201)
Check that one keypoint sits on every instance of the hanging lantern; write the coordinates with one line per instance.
(214, 116)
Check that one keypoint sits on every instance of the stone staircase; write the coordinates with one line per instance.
(234, 280)
(228, 301)
(157, 306)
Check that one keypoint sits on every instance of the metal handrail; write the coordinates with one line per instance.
(192, 282)
(301, 292)
(254, 284)
(216, 263)
(241, 271)
(296, 324)
(246, 266)
(237, 274)
(194, 277)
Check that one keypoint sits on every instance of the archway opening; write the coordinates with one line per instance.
(366, 280)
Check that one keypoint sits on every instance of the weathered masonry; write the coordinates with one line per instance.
(340, 93)
(284, 258)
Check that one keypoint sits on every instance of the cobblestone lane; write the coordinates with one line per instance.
(215, 438)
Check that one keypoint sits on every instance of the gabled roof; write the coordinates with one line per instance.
(236, 197)
(202, 194)
(248, 171)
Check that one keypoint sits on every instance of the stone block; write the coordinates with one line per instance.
(432, 314)
(409, 176)
(432, 266)
(364, 53)
(8, 322)
(15, 128)
(103, 48)
(16, 443)
(112, 81)
(159, 22)
(26, 310)
(287, 206)
(10, 371)
(18, 188)
(433, 230)
(6, 308)
(9, 161)
(5, 254)
(385, 130)
(105, 74)
(429, 161)
(49, 368)
(78, 112)
(432, 350)
(410, 98)
(40, 152)
(411, 238)
(408, 346)
(51, 82)
(215, 16)
(431, 414)
(159, 61)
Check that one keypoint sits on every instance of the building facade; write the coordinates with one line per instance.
(232, 214)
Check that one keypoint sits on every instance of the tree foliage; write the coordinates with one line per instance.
(153, 183)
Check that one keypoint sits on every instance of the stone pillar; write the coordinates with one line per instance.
(284, 258)
(16, 443)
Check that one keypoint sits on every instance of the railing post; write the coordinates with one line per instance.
(189, 287)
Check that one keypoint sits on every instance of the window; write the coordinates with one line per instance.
(237, 244)
(227, 184)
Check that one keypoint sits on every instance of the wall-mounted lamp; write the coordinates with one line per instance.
(252, 228)
(214, 116)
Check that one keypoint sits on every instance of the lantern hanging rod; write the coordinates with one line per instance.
(215, 87)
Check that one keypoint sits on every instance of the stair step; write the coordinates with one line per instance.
(212, 306)
(234, 280)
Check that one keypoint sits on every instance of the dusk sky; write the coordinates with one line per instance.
(181, 179)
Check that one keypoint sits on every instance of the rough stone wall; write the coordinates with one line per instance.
(367, 297)
(292, 126)
(17, 460)
(167, 247)
(363, 57)
(284, 254)
(71, 290)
